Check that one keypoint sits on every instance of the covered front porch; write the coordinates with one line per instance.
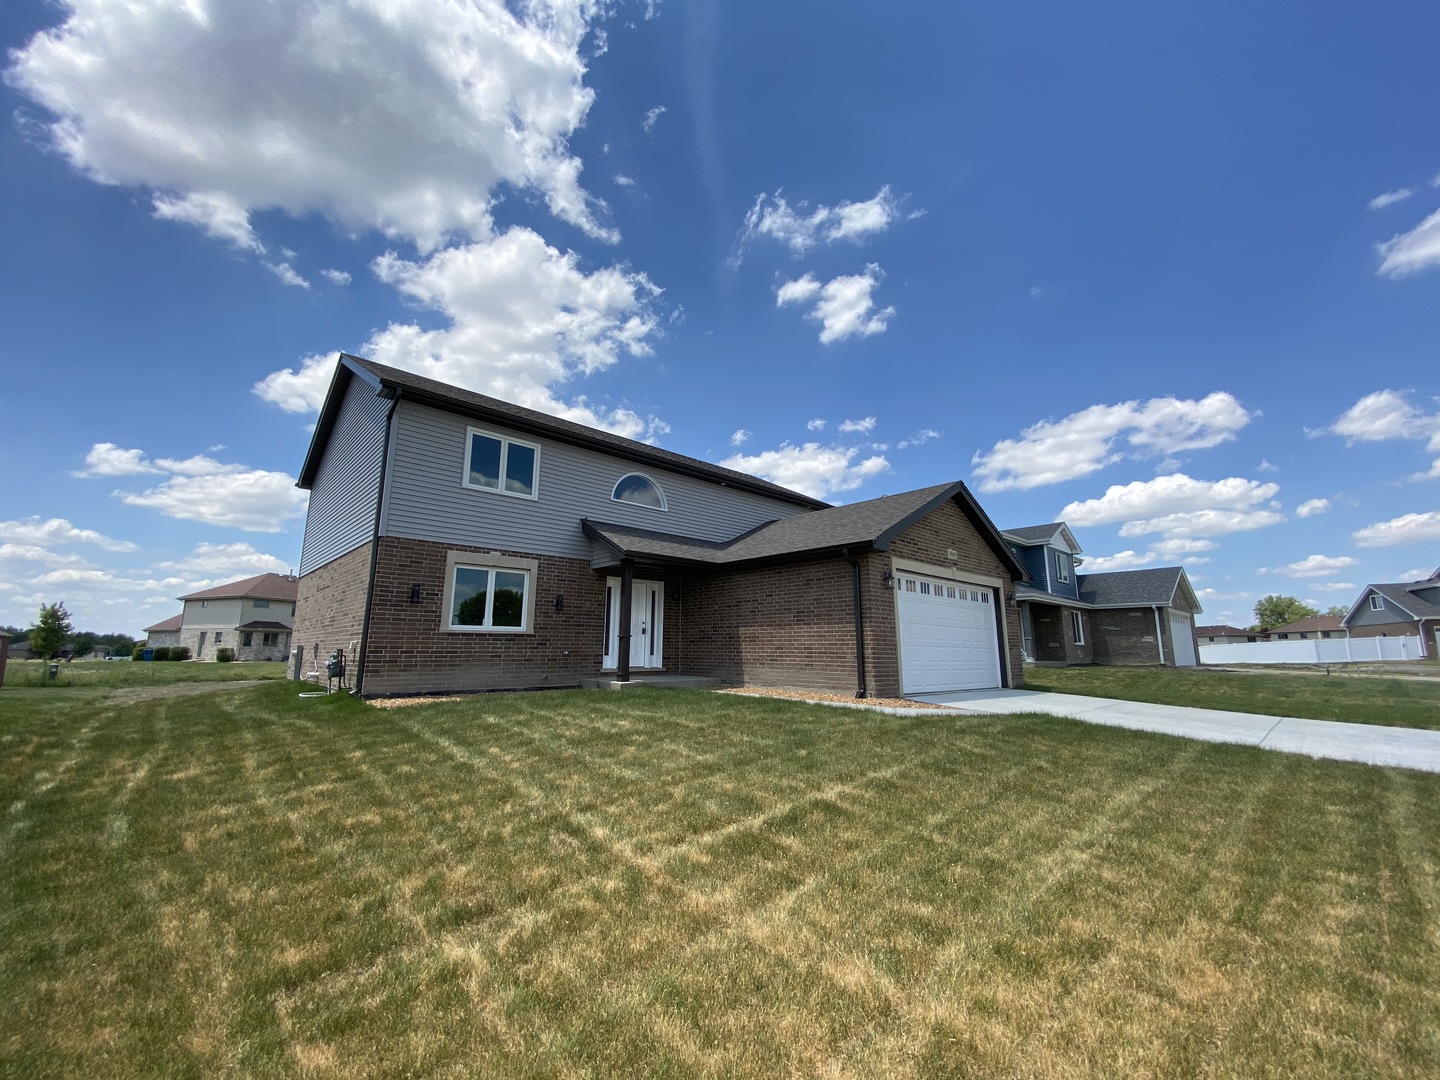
(1054, 635)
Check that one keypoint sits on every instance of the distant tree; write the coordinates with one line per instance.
(51, 630)
(15, 632)
(1273, 611)
(82, 644)
(1339, 611)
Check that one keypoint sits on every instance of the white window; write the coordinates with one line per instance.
(1077, 623)
(270, 640)
(247, 638)
(262, 603)
(639, 489)
(489, 593)
(1062, 566)
(1377, 602)
(497, 463)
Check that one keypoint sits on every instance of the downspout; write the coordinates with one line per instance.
(627, 586)
(375, 544)
(1159, 637)
(861, 690)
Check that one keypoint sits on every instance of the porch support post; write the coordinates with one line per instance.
(861, 691)
(627, 586)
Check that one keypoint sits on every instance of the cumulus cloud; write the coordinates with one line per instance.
(398, 117)
(1166, 495)
(863, 427)
(336, 277)
(624, 181)
(1390, 198)
(1085, 442)
(107, 459)
(843, 305)
(33, 553)
(1405, 529)
(1202, 523)
(286, 273)
(811, 468)
(1311, 507)
(924, 435)
(255, 500)
(740, 437)
(1173, 550)
(801, 228)
(226, 561)
(1121, 560)
(1333, 586)
(521, 317)
(652, 117)
(1410, 252)
(1383, 415)
(1312, 566)
(52, 532)
(817, 424)
(1419, 573)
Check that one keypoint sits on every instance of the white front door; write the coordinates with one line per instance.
(647, 624)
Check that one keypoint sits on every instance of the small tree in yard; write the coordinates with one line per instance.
(51, 630)
(1275, 611)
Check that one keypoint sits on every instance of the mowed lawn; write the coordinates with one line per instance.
(1344, 695)
(665, 883)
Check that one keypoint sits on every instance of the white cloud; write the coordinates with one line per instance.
(1411, 252)
(218, 215)
(652, 116)
(198, 465)
(54, 531)
(1432, 474)
(336, 277)
(287, 274)
(1085, 442)
(34, 553)
(1121, 560)
(1163, 495)
(255, 500)
(1204, 595)
(815, 425)
(1312, 566)
(773, 217)
(1311, 507)
(811, 468)
(226, 561)
(1390, 198)
(624, 181)
(740, 437)
(107, 459)
(398, 117)
(1266, 466)
(843, 305)
(1406, 529)
(522, 317)
(1419, 573)
(1333, 586)
(1182, 548)
(1385, 414)
(864, 427)
(1195, 523)
(924, 435)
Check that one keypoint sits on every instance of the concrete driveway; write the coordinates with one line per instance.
(1406, 748)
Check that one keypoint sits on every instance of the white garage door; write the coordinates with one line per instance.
(1182, 640)
(947, 636)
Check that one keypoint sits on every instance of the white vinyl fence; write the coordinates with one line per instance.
(1314, 651)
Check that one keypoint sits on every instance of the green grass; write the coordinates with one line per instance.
(120, 674)
(1351, 697)
(664, 883)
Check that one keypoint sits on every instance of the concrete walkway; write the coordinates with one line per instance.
(1406, 748)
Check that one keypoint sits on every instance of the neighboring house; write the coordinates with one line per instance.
(457, 542)
(253, 617)
(1312, 626)
(1124, 617)
(1225, 634)
(1399, 609)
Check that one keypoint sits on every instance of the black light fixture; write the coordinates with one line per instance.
(888, 580)
(559, 601)
(414, 594)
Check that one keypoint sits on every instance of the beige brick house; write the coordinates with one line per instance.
(457, 542)
(253, 617)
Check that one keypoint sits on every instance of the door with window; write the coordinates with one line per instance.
(647, 625)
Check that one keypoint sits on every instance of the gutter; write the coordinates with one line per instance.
(861, 690)
(375, 540)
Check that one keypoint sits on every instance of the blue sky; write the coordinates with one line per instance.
(1172, 274)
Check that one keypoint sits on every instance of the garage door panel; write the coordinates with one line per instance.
(948, 638)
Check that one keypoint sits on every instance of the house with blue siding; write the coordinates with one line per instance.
(1144, 616)
(457, 542)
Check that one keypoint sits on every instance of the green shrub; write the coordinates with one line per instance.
(139, 653)
(179, 652)
(224, 656)
(162, 653)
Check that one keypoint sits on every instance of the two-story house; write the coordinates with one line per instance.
(252, 617)
(1399, 609)
(1144, 616)
(458, 542)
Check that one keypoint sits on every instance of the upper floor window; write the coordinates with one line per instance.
(639, 489)
(262, 603)
(1377, 602)
(497, 463)
(1062, 567)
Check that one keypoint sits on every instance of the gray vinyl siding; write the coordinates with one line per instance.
(1388, 614)
(347, 483)
(426, 499)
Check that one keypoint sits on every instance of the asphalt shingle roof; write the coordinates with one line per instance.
(1311, 624)
(172, 623)
(1404, 596)
(259, 587)
(1130, 588)
(1034, 534)
(258, 625)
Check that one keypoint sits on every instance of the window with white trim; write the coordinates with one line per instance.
(1077, 624)
(489, 593)
(499, 463)
(260, 603)
(1062, 567)
(639, 490)
(1377, 602)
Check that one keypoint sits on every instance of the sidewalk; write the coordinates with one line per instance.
(1406, 748)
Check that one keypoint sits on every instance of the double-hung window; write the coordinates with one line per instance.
(1077, 623)
(489, 593)
(1377, 602)
(1062, 566)
(499, 463)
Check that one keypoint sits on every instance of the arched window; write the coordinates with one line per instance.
(639, 489)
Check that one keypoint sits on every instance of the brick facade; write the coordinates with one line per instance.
(1053, 632)
(1425, 628)
(330, 608)
(1127, 636)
